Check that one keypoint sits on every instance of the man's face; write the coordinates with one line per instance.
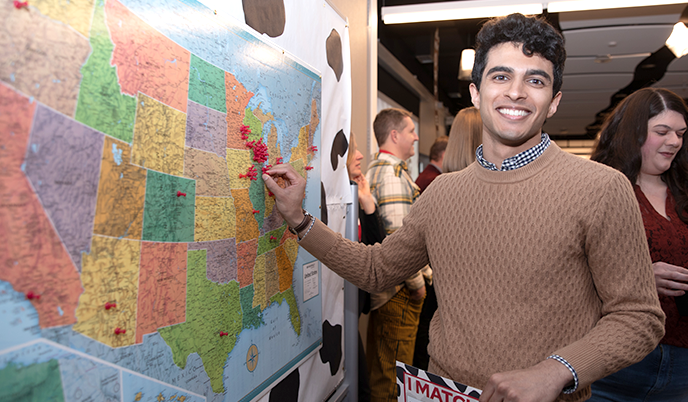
(405, 138)
(515, 98)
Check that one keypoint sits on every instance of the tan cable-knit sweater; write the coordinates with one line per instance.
(549, 258)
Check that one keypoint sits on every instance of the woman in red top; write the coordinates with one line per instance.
(643, 138)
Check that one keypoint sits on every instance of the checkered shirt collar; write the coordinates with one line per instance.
(399, 164)
(516, 161)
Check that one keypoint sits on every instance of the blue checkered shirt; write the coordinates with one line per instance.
(516, 161)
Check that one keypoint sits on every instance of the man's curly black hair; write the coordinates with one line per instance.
(536, 35)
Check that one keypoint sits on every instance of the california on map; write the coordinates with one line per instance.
(137, 240)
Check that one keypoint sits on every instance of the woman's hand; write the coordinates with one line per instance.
(671, 280)
(365, 198)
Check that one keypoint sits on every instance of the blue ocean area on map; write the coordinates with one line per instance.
(137, 388)
(18, 318)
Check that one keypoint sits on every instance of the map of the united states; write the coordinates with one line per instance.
(131, 199)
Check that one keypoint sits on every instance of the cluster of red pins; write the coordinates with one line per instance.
(245, 131)
(223, 333)
(260, 150)
(109, 305)
(266, 168)
(280, 160)
(180, 194)
(119, 331)
(251, 173)
(20, 4)
(32, 296)
(313, 149)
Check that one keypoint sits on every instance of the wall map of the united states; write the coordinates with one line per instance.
(141, 255)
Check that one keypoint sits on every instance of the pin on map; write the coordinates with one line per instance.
(31, 296)
(119, 331)
(20, 4)
(223, 333)
(251, 173)
(109, 305)
(272, 237)
(309, 167)
(180, 194)
(313, 149)
(255, 211)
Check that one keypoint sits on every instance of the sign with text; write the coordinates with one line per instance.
(311, 280)
(417, 385)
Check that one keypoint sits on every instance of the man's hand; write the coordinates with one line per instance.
(540, 383)
(289, 189)
(671, 280)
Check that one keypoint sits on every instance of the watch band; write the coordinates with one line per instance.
(304, 223)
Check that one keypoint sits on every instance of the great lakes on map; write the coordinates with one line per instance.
(132, 208)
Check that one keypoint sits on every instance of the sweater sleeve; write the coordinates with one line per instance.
(372, 268)
(632, 321)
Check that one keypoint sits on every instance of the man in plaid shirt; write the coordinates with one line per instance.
(395, 312)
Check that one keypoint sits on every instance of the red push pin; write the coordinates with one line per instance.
(313, 149)
(31, 295)
(279, 160)
(255, 211)
(109, 305)
(270, 194)
(245, 131)
(180, 194)
(223, 333)
(20, 4)
(119, 331)
(309, 167)
(272, 237)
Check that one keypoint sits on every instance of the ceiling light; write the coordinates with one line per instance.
(560, 6)
(460, 10)
(466, 64)
(457, 10)
(678, 40)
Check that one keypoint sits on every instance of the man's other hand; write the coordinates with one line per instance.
(540, 383)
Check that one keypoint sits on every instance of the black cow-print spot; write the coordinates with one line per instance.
(265, 16)
(323, 204)
(334, 53)
(339, 147)
(331, 351)
(287, 390)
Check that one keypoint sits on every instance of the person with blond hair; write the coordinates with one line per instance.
(465, 136)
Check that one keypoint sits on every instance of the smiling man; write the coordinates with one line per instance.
(541, 268)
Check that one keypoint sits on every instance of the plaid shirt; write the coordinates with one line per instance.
(518, 160)
(395, 192)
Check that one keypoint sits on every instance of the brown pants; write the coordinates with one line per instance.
(391, 337)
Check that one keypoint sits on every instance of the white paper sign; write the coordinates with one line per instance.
(311, 282)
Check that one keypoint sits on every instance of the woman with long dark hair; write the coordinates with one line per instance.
(643, 138)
